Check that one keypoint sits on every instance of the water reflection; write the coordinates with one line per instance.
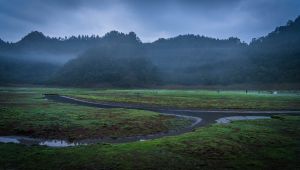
(229, 119)
(64, 143)
(35, 141)
(8, 140)
(59, 143)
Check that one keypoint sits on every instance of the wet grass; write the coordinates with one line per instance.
(199, 99)
(255, 144)
(27, 113)
(185, 99)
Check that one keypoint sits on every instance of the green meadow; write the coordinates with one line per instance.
(256, 144)
(26, 112)
(199, 99)
(190, 99)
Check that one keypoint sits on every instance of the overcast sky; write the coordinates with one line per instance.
(150, 19)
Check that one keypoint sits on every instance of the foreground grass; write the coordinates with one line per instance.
(27, 113)
(259, 144)
(256, 144)
(190, 99)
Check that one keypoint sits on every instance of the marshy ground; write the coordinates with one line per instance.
(28, 113)
(264, 144)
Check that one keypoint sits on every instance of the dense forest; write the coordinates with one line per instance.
(109, 65)
(119, 59)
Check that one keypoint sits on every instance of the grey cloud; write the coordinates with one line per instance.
(149, 19)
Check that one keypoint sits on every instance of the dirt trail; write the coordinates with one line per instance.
(207, 116)
(198, 117)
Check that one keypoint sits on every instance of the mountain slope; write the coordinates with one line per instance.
(122, 65)
(276, 57)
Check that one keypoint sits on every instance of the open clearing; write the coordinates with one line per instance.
(191, 99)
(28, 113)
(198, 99)
(251, 144)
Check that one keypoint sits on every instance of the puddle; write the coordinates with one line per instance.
(59, 143)
(35, 141)
(225, 120)
(9, 140)
(64, 143)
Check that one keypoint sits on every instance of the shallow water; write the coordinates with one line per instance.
(9, 140)
(225, 120)
(35, 141)
(64, 143)
(59, 143)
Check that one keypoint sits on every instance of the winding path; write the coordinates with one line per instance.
(198, 117)
(207, 116)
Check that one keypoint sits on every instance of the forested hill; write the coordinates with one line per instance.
(192, 59)
(276, 57)
(2, 42)
(182, 60)
(37, 46)
(282, 36)
(127, 66)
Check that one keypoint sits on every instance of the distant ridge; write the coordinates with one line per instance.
(181, 60)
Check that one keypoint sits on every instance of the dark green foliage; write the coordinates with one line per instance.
(110, 65)
(276, 57)
(190, 59)
(23, 71)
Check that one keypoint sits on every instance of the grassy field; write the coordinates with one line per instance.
(191, 99)
(259, 144)
(25, 112)
(198, 99)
